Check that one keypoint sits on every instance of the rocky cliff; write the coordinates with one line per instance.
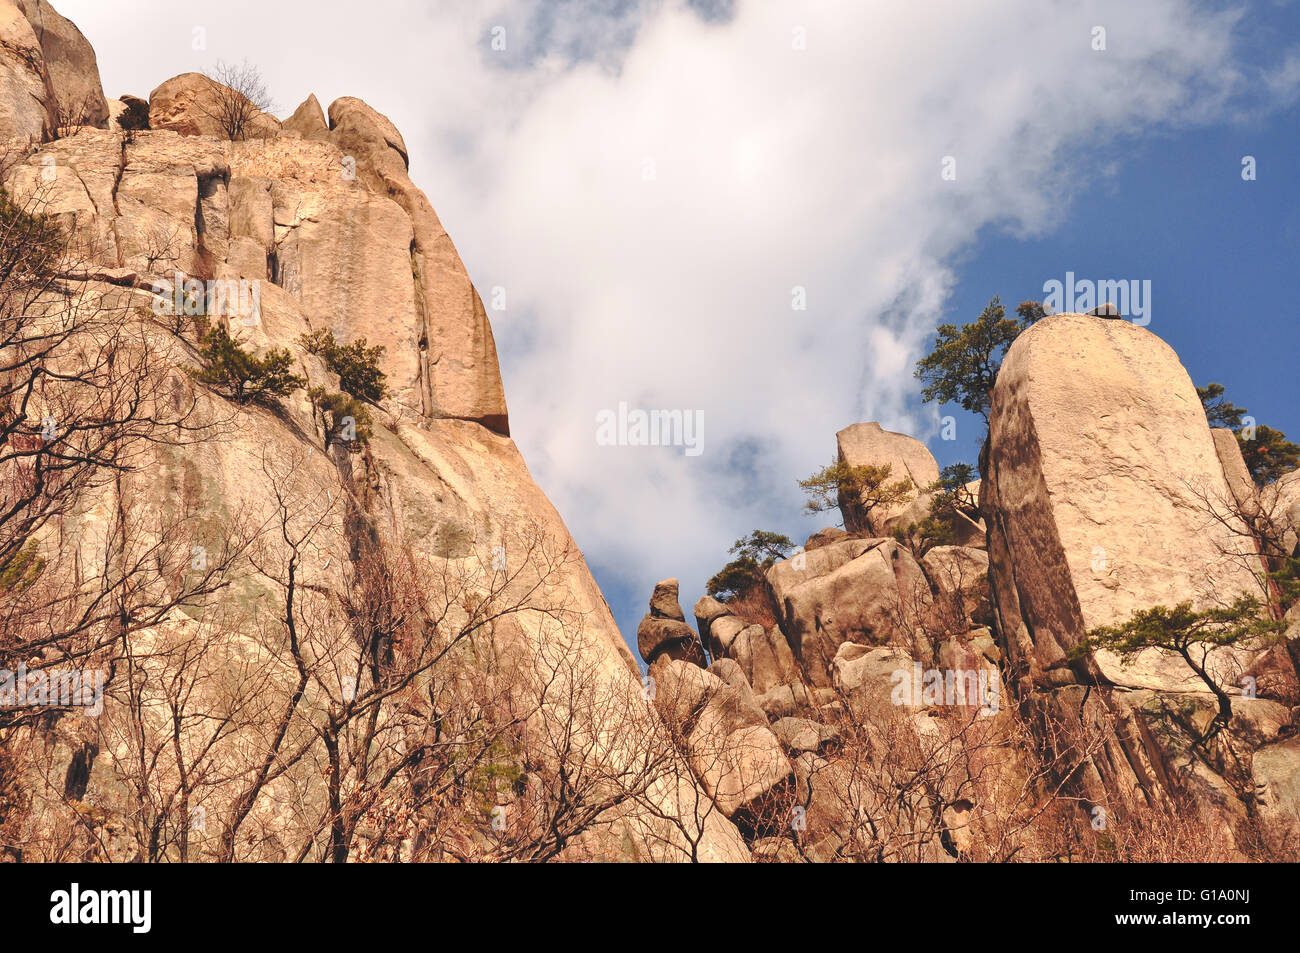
(405, 654)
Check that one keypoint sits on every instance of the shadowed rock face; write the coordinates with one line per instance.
(1100, 466)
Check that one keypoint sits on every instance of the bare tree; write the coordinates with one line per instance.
(238, 97)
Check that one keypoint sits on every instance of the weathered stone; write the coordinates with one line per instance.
(765, 657)
(750, 712)
(664, 602)
(26, 111)
(722, 632)
(824, 537)
(1100, 464)
(252, 213)
(1235, 472)
(656, 637)
(70, 65)
(460, 375)
(739, 762)
(1281, 502)
(706, 610)
(857, 590)
(308, 121)
(868, 444)
(802, 734)
(191, 104)
(450, 493)
(1277, 779)
(873, 670)
(786, 700)
(961, 574)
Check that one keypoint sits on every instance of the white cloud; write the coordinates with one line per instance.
(773, 168)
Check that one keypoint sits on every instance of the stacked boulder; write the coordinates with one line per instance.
(663, 633)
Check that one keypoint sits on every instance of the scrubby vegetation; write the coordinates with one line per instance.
(864, 488)
(1267, 452)
(242, 375)
(755, 554)
(356, 364)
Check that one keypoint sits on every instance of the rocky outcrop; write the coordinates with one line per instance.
(438, 483)
(193, 104)
(459, 376)
(77, 98)
(308, 121)
(868, 444)
(49, 80)
(731, 748)
(25, 107)
(664, 632)
(859, 590)
(1101, 471)
(1102, 488)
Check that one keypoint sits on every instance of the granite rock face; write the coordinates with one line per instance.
(1101, 466)
(324, 225)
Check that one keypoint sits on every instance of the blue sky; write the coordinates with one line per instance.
(1223, 256)
(648, 181)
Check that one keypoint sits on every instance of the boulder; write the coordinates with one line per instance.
(861, 668)
(786, 700)
(1100, 465)
(1240, 483)
(765, 658)
(868, 444)
(191, 104)
(308, 121)
(656, 637)
(746, 701)
(802, 734)
(706, 610)
(824, 537)
(858, 590)
(26, 111)
(71, 67)
(1277, 779)
(722, 632)
(664, 601)
(961, 574)
(738, 760)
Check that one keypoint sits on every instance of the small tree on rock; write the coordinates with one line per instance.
(755, 554)
(962, 367)
(239, 96)
(1191, 635)
(864, 488)
(242, 375)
